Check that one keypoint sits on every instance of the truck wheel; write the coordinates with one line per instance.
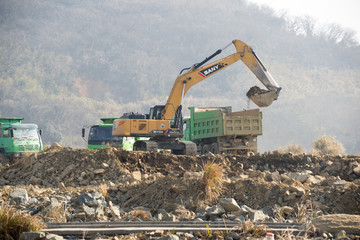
(205, 149)
(214, 148)
(3, 159)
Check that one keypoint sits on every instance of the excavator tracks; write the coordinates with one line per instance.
(176, 147)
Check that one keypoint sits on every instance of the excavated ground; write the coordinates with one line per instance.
(331, 184)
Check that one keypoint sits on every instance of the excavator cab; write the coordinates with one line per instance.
(176, 121)
(155, 112)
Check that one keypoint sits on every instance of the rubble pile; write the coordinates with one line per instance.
(112, 184)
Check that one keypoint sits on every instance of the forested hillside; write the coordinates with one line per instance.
(65, 64)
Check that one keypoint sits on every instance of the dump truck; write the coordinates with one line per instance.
(100, 136)
(17, 139)
(219, 130)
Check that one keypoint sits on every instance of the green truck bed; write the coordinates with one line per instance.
(219, 130)
(217, 122)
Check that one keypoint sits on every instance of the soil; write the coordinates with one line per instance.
(255, 90)
(160, 180)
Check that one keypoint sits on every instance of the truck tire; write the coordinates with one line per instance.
(205, 149)
(214, 148)
(3, 159)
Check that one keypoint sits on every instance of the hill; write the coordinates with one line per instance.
(66, 64)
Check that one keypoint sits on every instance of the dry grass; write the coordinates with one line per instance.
(292, 148)
(212, 180)
(327, 145)
(140, 213)
(13, 222)
(305, 210)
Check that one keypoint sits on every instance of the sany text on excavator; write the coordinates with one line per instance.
(163, 125)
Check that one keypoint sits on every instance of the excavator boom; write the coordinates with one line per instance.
(199, 73)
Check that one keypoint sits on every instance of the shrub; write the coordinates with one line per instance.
(13, 222)
(292, 148)
(327, 145)
(212, 181)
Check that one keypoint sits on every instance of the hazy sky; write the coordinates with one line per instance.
(345, 12)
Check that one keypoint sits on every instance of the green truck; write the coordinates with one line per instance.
(100, 136)
(17, 139)
(219, 130)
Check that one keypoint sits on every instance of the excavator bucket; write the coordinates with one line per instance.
(262, 98)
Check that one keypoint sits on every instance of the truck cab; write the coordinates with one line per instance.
(18, 139)
(100, 136)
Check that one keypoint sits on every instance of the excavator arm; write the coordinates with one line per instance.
(198, 73)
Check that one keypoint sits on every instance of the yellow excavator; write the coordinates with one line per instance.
(163, 125)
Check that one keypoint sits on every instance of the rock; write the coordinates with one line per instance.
(53, 237)
(341, 235)
(340, 182)
(168, 217)
(302, 177)
(114, 211)
(234, 235)
(284, 177)
(35, 181)
(37, 167)
(66, 171)
(20, 195)
(334, 223)
(298, 190)
(89, 212)
(136, 175)
(314, 179)
(287, 196)
(288, 211)
(62, 187)
(159, 216)
(275, 176)
(169, 237)
(252, 174)
(33, 201)
(229, 204)
(99, 213)
(99, 171)
(334, 168)
(356, 170)
(32, 236)
(258, 216)
(92, 199)
(246, 208)
(216, 210)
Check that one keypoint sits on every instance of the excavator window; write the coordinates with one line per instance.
(155, 112)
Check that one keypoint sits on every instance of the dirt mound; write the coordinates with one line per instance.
(163, 180)
(81, 167)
